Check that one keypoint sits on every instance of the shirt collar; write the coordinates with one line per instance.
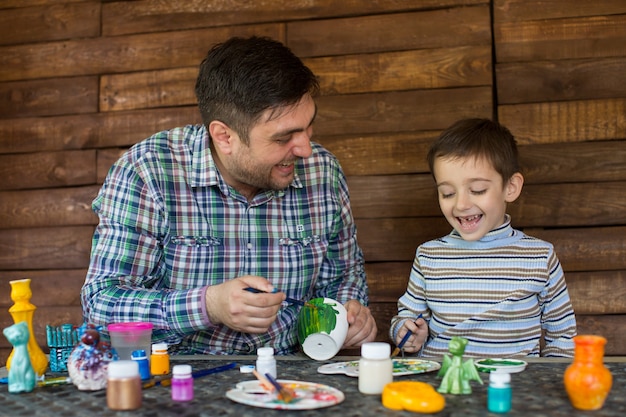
(204, 172)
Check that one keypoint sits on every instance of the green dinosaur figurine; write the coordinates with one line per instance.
(456, 373)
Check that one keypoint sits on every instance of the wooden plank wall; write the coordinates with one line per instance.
(80, 81)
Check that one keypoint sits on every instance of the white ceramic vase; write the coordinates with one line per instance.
(322, 328)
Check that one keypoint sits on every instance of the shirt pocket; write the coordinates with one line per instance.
(193, 261)
(302, 253)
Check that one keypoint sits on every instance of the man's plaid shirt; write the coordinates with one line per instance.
(170, 226)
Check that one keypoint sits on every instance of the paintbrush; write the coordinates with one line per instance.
(288, 299)
(285, 394)
(263, 381)
(166, 381)
(404, 339)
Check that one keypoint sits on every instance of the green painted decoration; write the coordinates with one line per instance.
(322, 317)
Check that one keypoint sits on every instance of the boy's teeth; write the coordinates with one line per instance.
(469, 219)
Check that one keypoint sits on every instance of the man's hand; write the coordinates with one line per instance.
(230, 304)
(362, 326)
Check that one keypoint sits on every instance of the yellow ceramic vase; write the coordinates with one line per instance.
(23, 310)
(587, 381)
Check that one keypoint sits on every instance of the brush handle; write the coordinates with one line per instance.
(257, 291)
(211, 371)
(167, 381)
(274, 382)
(288, 299)
(404, 339)
(407, 335)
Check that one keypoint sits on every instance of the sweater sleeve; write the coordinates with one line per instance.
(558, 319)
(412, 302)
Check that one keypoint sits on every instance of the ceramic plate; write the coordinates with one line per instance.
(309, 395)
(400, 367)
(509, 366)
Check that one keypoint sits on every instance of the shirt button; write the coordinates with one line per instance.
(249, 245)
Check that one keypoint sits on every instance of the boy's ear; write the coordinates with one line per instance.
(514, 187)
(221, 136)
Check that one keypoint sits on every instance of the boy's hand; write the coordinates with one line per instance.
(414, 343)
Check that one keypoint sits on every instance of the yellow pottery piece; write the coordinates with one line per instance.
(587, 380)
(23, 310)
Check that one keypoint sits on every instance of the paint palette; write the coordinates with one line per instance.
(309, 395)
(400, 367)
(509, 366)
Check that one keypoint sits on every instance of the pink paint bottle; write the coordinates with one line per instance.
(182, 383)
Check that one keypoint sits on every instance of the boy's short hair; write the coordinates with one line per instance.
(477, 138)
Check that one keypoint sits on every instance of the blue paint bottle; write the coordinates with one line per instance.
(499, 394)
(141, 358)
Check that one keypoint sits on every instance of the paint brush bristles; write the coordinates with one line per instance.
(396, 351)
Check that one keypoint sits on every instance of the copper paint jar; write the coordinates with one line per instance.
(123, 385)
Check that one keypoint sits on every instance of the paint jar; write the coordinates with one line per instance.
(375, 367)
(499, 394)
(266, 363)
(182, 383)
(129, 336)
(141, 358)
(123, 385)
(159, 360)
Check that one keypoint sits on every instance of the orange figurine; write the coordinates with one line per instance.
(587, 380)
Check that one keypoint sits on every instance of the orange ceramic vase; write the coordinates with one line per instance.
(587, 381)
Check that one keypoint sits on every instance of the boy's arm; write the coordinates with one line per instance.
(412, 303)
(557, 319)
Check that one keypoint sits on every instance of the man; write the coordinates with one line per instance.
(191, 217)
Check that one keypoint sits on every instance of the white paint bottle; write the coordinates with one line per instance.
(266, 362)
(375, 367)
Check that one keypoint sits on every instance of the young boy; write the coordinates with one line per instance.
(485, 281)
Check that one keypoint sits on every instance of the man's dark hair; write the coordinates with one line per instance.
(243, 77)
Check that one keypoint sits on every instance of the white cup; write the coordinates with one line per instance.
(322, 329)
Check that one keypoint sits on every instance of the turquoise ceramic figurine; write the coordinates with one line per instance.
(22, 377)
(456, 373)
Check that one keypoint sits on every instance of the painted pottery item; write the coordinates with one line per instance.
(587, 381)
(322, 328)
(23, 310)
(22, 376)
(61, 341)
(89, 361)
(457, 372)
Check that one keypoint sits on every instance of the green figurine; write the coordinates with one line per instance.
(456, 373)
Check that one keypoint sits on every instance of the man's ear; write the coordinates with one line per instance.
(514, 187)
(221, 136)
